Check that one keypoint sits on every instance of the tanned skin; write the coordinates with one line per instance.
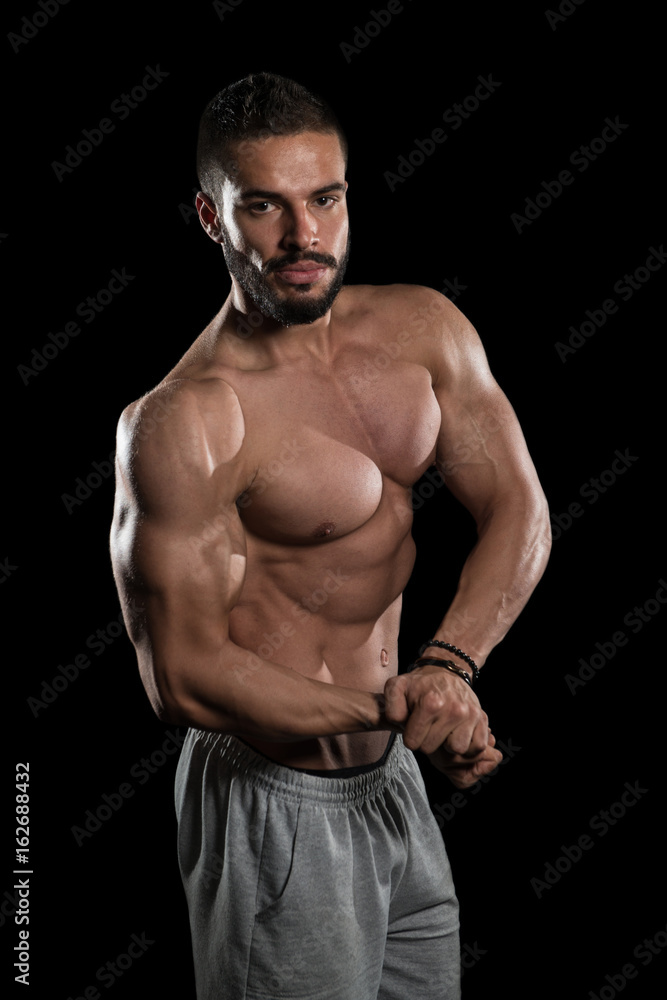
(261, 539)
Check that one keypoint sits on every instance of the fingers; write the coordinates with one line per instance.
(464, 773)
(395, 704)
(432, 720)
(459, 741)
(442, 710)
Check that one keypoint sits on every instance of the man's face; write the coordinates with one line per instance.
(284, 225)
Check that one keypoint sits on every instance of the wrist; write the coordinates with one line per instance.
(463, 659)
(476, 649)
(441, 657)
(374, 714)
(424, 661)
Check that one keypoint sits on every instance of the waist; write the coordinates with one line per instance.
(330, 756)
(237, 760)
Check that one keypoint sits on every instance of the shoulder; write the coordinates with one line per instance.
(415, 306)
(178, 434)
(440, 337)
(386, 298)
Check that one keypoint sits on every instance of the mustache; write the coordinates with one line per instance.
(276, 263)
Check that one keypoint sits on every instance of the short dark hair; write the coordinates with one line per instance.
(257, 107)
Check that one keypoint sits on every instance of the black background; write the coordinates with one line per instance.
(128, 204)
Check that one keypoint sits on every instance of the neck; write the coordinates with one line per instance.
(241, 320)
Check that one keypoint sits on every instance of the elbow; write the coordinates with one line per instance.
(180, 698)
(165, 694)
(543, 533)
(170, 709)
(171, 713)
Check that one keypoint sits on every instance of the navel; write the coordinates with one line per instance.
(384, 657)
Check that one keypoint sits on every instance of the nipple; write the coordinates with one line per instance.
(324, 529)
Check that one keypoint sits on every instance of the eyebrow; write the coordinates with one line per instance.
(276, 196)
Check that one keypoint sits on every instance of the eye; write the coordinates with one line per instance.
(325, 200)
(261, 207)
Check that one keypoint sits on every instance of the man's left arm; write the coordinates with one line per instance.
(482, 456)
(483, 459)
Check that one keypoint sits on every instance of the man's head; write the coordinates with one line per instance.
(271, 162)
(253, 109)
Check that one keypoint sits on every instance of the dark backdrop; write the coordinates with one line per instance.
(559, 855)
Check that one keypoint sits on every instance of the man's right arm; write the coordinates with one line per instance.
(178, 552)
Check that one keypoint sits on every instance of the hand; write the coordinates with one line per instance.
(463, 770)
(435, 707)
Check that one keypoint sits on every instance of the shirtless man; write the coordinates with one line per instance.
(261, 544)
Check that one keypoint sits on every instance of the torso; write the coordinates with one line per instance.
(336, 445)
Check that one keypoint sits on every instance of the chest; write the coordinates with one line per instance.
(326, 444)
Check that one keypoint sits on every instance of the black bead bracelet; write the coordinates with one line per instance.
(425, 661)
(456, 651)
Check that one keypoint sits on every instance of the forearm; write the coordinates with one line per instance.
(498, 577)
(233, 690)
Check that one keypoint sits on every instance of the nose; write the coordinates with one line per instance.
(300, 230)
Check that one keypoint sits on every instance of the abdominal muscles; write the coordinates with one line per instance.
(322, 602)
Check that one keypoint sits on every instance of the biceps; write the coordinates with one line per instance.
(181, 581)
(482, 454)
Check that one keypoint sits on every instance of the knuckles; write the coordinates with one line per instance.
(433, 701)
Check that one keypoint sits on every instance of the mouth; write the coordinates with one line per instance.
(302, 274)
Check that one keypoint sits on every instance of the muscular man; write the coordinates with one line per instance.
(261, 544)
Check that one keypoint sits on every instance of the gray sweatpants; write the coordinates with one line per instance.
(303, 887)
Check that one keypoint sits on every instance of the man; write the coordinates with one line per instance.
(261, 544)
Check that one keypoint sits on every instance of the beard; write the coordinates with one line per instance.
(268, 300)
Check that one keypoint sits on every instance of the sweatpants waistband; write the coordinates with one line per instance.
(242, 761)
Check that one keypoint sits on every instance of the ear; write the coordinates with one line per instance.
(208, 216)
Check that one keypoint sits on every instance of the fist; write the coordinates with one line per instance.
(436, 709)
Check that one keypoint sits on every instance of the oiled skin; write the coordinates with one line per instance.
(262, 530)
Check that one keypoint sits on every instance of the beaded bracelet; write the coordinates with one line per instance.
(425, 661)
(456, 651)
